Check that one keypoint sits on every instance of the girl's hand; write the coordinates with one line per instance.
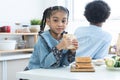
(75, 44)
(68, 42)
(64, 44)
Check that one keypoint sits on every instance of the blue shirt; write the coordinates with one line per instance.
(93, 42)
(42, 57)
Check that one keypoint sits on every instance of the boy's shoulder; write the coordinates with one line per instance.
(81, 28)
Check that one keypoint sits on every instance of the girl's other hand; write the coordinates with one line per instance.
(68, 42)
(64, 44)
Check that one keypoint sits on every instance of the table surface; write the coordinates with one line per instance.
(101, 72)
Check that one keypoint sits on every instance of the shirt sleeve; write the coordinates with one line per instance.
(63, 58)
(58, 55)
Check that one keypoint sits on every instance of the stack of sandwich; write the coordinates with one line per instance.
(82, 64)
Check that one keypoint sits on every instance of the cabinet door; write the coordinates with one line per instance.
(12, 68)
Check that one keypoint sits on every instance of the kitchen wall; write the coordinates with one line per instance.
(22, 11)
(12, 11)
(19, 11)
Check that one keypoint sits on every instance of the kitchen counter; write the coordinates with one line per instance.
(8, 62)
(64, 74)
(13, 56)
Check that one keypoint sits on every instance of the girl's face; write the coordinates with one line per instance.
(57, 22)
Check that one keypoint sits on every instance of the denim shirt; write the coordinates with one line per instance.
(53, 58)
(93, 42)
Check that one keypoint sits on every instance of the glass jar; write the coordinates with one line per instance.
(21, 44)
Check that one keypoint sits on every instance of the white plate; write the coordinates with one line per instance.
(98, 62)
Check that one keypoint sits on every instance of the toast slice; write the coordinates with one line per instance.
(83, 59)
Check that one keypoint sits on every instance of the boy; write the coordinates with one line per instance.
(93, 41)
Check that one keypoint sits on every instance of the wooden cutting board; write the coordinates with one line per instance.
(73, 69)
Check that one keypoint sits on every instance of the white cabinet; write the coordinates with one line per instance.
(12, 62)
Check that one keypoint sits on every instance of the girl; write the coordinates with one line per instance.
(51, 49)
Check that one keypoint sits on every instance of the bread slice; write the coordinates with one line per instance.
(71, 37)
(83, 65)
(73, 69)
(82, 59)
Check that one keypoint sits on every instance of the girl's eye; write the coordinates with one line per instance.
(55, 20)
(64, 21)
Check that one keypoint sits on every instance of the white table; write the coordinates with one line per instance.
(101, 73)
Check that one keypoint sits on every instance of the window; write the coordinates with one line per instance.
(78, 8)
